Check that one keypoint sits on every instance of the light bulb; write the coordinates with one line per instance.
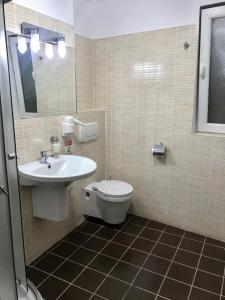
(49, 50)
(35, 42)
(61, 48)
(22, 44)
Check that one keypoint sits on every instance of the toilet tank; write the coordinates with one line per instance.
(91, 201)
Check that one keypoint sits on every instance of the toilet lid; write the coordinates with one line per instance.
(114, 188)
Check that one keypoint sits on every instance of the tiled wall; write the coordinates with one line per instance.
(84, 73)
(146, 84)
(32, 136)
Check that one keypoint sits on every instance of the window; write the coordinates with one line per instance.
(211, 77)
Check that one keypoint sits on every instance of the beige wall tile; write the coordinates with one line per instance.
(146, 84)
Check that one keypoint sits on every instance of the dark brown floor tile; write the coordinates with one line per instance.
(124, 272)
(95, 244)
(138, 220)
(83, 256)
(191, 245)
(36, 276)
(68, 271)
(135, 293)
(208, 282)
(49, 263)
(106, 233)
(157, 264)
(181, 273)
(74, 292)
(38, 259)
(89, 280)
(114, 250)
(103, 263)
(156, 225)
(143, 245)
(112, 289)
(134, 257)
(52, 288)
(132, 229)
(214, 252)
(78, 238)
(148, 281)
(123, 239)
(64, 249)
(211, 265)
(97, 298)
(174, 290)
(150, 234)
(97, 221)
(215, 242)
(197, 294)
(187, 258)
(194, 236)
(89, 228)
(170, 239)
(174, 230)
(164, 251)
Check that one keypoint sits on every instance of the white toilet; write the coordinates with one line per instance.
(108, 200)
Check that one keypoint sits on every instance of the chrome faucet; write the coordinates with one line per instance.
(44, 157)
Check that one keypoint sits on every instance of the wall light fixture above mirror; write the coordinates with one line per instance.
(38, 35)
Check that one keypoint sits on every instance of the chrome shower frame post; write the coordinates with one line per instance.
(11, 234)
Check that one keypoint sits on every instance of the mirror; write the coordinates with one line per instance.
(41, 85)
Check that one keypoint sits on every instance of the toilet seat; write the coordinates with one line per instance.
(114, 190)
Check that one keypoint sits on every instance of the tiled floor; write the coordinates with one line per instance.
(140, 260)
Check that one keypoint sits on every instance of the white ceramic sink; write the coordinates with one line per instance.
(65, 168)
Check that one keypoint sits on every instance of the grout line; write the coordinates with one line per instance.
(120, 259)
(65, 259)
(144, 262)
(120, 281)
(129, 247)
(191, 252)
(178, 247)
(162, 244)
(196, 270)
(92, 259)
(103, 254)
(173, 234)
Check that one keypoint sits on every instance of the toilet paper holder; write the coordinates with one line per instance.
(159, 150)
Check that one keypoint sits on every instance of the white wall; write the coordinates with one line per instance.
(62, 10)
(104, 18)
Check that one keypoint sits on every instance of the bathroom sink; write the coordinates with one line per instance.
(49, 183)
(65, 168)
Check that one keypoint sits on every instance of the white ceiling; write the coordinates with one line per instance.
(104, 18)
(61, 10)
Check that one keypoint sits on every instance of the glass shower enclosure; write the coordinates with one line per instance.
(13, 282)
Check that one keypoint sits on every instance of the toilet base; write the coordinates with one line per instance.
(113, 213)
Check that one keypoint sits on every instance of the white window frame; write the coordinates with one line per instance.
(207, 14)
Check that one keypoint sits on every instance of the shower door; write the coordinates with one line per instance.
(12, 265)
